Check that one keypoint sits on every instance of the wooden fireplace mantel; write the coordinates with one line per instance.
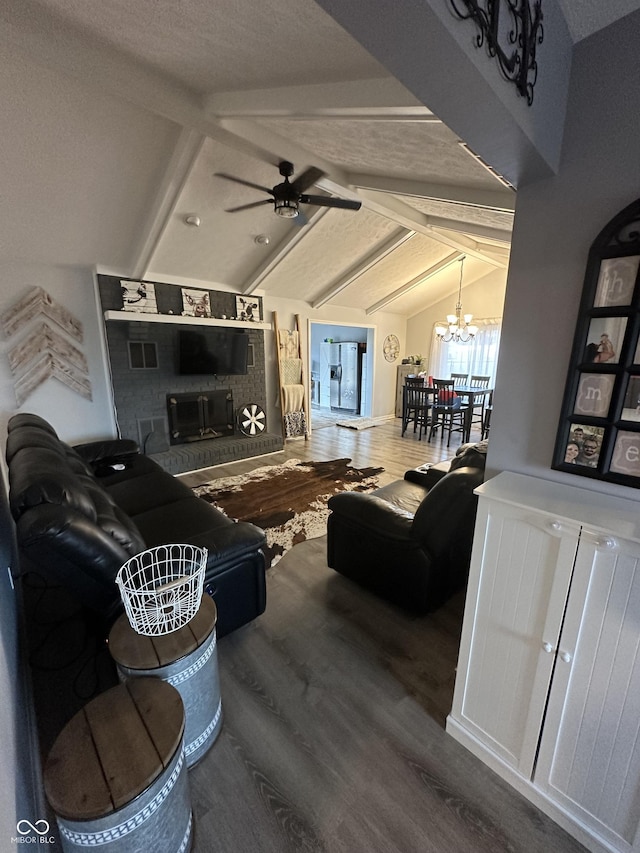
(139, 317)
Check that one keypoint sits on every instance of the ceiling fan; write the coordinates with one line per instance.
(289, 195)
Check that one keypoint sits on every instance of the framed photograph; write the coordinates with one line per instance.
(196, 303)
(138, 296)
(599, 429)
(631, 404)
(583, 446)
(604, 339)
(249, 309)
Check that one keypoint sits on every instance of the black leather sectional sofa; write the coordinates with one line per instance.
(410, 542)
(83, 511)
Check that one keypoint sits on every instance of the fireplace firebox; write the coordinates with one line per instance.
(194, 417)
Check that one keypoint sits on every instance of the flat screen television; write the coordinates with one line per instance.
(213, 350)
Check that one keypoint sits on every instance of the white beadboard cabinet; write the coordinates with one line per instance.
(548, 684)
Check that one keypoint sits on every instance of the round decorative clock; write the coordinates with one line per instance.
(391, 347)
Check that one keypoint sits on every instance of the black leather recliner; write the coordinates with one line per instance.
(83, 511)
(410, 542)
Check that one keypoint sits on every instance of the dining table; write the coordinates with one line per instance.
(471, 395)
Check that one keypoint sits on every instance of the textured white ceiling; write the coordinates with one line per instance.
(261, 82)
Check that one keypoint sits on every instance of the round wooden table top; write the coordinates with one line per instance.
(114, 748)
(136, 651)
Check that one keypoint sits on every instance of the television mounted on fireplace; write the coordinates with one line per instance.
(213, 350)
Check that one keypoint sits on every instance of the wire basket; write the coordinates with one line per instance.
(161, 588)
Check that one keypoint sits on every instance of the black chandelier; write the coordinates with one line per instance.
(514, 42)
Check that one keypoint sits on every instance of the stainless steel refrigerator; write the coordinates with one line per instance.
(345, 365)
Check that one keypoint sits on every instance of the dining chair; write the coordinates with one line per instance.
(486, 421)
(416, 407)
(448, 411)
(460, 378)
(477, 415)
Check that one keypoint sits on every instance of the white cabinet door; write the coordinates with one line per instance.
(519, 579)
(589, 759)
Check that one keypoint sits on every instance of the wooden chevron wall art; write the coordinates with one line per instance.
(44, 353)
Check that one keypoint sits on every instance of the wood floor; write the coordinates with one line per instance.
(334, 709)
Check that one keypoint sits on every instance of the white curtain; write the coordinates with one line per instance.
(478, 356)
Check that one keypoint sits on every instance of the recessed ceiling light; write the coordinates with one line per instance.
(262, 240)
(192, 219)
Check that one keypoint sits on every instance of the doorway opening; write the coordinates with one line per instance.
(341, 360)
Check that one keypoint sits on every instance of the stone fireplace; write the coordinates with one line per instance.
(143, 359)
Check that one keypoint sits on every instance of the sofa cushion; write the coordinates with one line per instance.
(26, 419)
(42, 476)
(177, 521)
(114, 521)
(402, 494)
(147, 491)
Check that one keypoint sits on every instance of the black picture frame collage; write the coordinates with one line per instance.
(599, 430)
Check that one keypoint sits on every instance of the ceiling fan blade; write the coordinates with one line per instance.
(330, 201)
(243, 182)
(307, 179)
(248, 206)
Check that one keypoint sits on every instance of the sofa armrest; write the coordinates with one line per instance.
(373, 514)
(111, 448)
(428, 475)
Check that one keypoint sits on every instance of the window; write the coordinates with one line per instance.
(143, 355)
(479, 356)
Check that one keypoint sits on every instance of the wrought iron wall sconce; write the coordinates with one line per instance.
(520, 36)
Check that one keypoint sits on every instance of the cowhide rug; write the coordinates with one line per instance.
(288, 501)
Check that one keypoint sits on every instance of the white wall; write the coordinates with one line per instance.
(75, 418)
(484, 298)
(384, 372)
(556, 221)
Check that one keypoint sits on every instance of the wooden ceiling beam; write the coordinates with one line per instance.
(419, 279)
(391, 208)
(382, 251)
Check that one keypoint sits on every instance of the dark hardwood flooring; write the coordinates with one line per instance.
(334, 708)
(335, 704)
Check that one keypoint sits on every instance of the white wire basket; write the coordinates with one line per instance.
(161, 588)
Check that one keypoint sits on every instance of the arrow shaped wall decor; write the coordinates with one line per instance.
(44, 352)
(33, 305)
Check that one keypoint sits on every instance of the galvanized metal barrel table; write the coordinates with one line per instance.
(116, 776)
(186, 659)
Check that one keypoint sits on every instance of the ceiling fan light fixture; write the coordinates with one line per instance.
(286, 207)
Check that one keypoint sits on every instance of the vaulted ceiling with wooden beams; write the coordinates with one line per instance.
(248, 85)
(399, 251)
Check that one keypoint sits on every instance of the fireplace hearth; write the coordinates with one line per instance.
(199, 416)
